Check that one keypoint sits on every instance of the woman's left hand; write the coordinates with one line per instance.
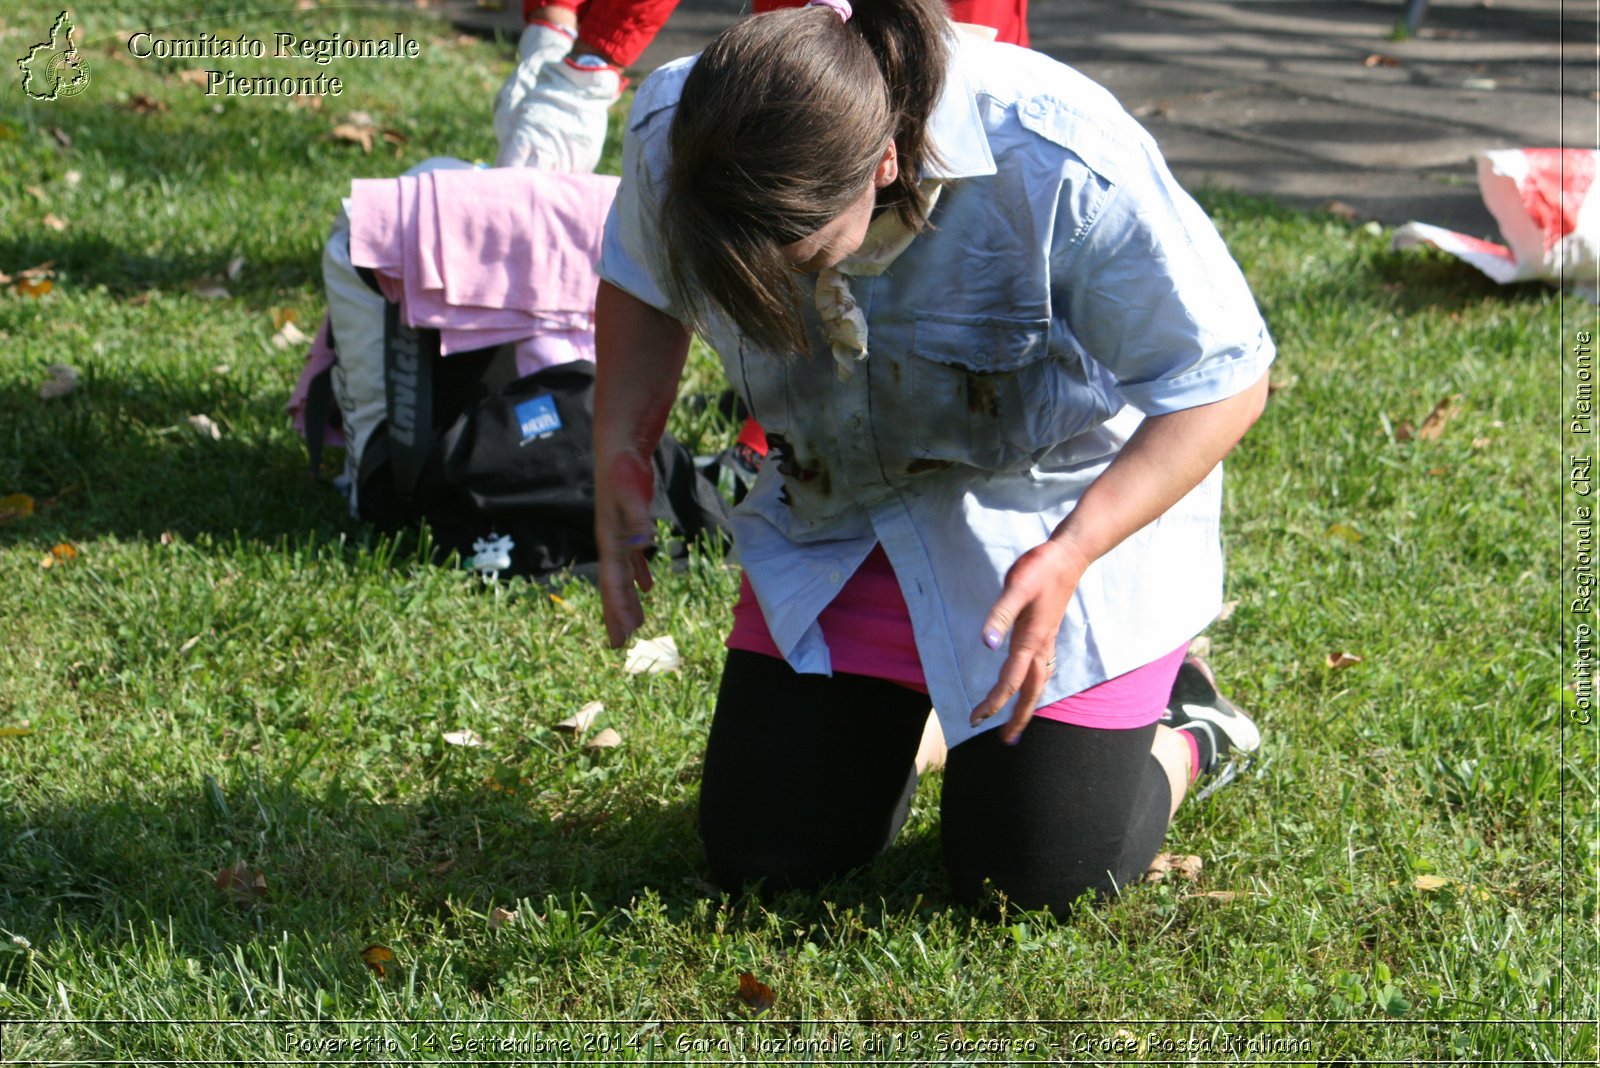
(1166, 458)
(1030, 610)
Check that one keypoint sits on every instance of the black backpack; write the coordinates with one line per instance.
(501, 468)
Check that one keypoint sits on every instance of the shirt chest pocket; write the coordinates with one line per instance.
(987, 391)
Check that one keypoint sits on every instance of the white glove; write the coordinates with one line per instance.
(540, 44)
(560, 123)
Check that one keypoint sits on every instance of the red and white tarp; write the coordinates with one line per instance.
(1540, 198)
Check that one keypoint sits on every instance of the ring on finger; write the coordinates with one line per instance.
(1050, 665)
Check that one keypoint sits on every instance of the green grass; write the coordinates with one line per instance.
(233, 670)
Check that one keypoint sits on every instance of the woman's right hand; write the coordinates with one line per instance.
(623, 530)
(639, 355)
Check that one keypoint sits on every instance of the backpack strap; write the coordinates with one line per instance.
(319, 402)
(408, 360)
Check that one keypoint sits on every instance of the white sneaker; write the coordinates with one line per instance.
(560, 124)
(1197, 706)
(541, 43)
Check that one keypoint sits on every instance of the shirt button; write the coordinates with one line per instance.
(835, 578)
(854, 422)
(1036, 109)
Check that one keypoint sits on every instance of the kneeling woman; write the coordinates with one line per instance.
(999, 356)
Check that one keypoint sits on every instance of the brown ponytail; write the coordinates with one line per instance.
(779, 128)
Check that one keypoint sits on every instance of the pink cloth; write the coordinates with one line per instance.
(319, 357)
(868, 631)
(867, 626)
(488, 257)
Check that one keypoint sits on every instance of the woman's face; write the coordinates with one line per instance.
(843, 234)
(837, 239)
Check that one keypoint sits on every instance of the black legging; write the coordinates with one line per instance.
(807, 776)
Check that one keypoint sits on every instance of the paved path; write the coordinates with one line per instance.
(1311, 101)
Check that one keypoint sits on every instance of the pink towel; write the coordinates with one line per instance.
(488, 256)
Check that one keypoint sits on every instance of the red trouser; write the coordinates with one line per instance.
(621, 29)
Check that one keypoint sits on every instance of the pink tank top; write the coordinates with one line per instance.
(868, 631)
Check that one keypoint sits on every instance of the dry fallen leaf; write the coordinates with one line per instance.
(1339, 209)
(205, 425)
(240, 884)
(309, 103)
(606, 739)
(1430, 882)
(15, 506)
(63, 380)
(33, 287)
(209, 289)
(1222, 896)
(143, 104)
(754, 994)
(289, 335)
(1338, 661)
(60, 554)
(581, 720)
(469, 739)
(1344, 531)
(443, 867)
(1228, 608)
(1433, 425)
(55, 222)
(35, 192)
(1185, 866)
(189, 644)
(360, 135)
(1377, 59)
(166, 537)
(63, 138)
(15, 732)
(282, 316)
(654, 655)
(499, 917)
(378, 958)
(703, 888)
(194, 76)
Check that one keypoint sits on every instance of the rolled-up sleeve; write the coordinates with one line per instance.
(1152, 293)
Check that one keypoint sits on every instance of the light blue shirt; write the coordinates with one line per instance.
(1067, 289)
